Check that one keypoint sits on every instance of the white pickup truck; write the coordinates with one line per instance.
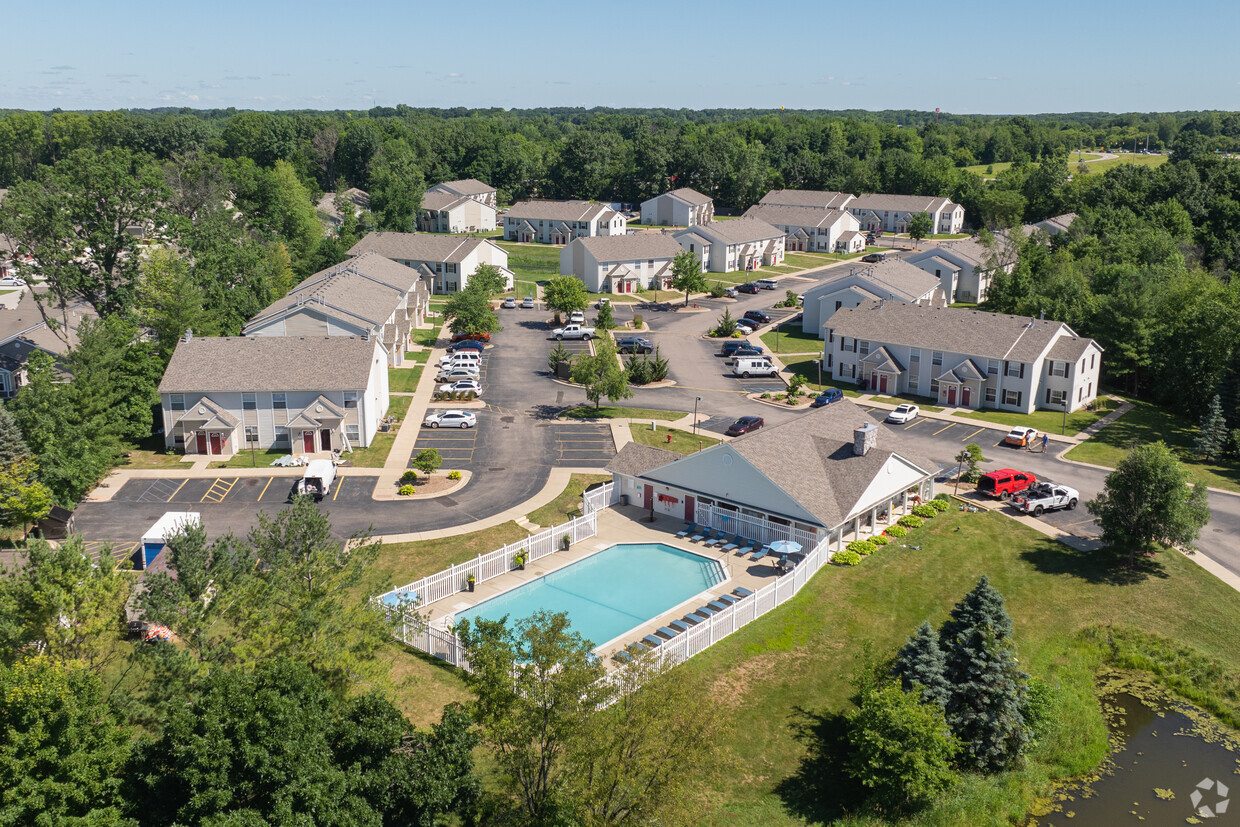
(1046, 496)
(573, 331)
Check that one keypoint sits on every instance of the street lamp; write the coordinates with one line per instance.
(1063, 430)
(818, 362)
(695, 404)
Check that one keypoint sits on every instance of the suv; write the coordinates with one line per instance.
(730, 348)
(757, 316)
(768, 284)
(1005, 483)
(748, 287)
(466, 346)
(634, 344)
(874, 258)
(746, 350)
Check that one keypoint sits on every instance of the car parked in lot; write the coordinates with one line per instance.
(451, 419)
(1005, 483)
(509, 303)
(604, 301)
(471, 358)
(452, 373)
(730, 348)
(874, 258)
(461, 385)
(768, 284)
(634, 344)
(746, 351)
(745, 425)
(466, 346)
(748, 287)
(577, 317)
(904, 413)
(1021, 436)
(730, 292)
(1046, 496)
(827, 397)
(757, 316)
(573, 331)
(471, 337)
(746, 327)
(527, 303)
(12, 281)
(754, 366)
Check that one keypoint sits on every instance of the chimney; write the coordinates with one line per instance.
(865, 437)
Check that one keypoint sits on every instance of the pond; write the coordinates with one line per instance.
(1170, 762)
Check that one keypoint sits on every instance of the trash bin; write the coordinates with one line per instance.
(624, 499)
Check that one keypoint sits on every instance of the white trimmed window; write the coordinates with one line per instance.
(864, 346)
(251, 434)
(936, 358)
(1011, 397)
(249, 401)
(176, 401)
(279, 402)
(350, 399)
(990, 395)
(281, 435)
(1058, 368)
(352, 432)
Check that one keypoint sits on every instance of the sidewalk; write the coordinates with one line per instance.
(397, 461)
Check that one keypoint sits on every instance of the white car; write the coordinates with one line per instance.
(577, 317)
(904, 413)
(527, 303)
(451, 419)
(467, 358)
(745, 327)
(12, 281)
(509, 303)
(462, 385)
(458, 372)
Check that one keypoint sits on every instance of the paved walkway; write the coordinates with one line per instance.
(397, 461)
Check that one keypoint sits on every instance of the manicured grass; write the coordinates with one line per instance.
(426, 338)
(375, 454)
(1050, 422)
(525, 288)
(804, 367)
(791, 339)
(1139, 160)
(948, 235)
(616, 412)
(923, 402)
(791, 669)
(150, 453)
(683, 442)
(1149, 423)
(418, 357)
(780, 269)
(989, 169)
(804, 261)
(568, 505)
(242, 459)
(398, 406)
(403, 380)
(532, 262)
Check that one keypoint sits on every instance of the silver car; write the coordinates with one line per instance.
(458, 372)
(451, 419)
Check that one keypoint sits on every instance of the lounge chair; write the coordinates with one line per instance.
(736, 543)
(741, 591)
(652, 641)
(762, 552)
(666, 632)
(746, 547)
(692, 619)
(622, 656)
(679, 625)
(717, 606)
(701, 532)
(710, 541)
(706, 611)
(727, 599)
(689, 529)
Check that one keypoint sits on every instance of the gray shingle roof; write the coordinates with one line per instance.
(280, 363)
(689, 196)
(635, 459)
(559, 210)
(736, 231)
(630, 247)
(973, 332)
(442, 200)
(893, 278)
(1070, 348)
(807, 198)
(781, 215)
(466, 186)
(899, 203)
(417, 246)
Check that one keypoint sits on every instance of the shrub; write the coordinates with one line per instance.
(727, 324)
(896, 531)
(454, 475)
(637, 321)
(846, 558)
(717, 290)
(862, 547)
(942, 496)
(765, 396)
(409, 476)
(427, 461)
(407, 491)
(924, 511)
(939, 505)
(880, 540)
(910, 521)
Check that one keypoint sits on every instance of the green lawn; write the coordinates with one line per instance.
(923, 402)
(150, 453)
(804, 367)
(616, 412)
(398, 406)
(791, 339)
(1098, 166)
(804, 261)
(532, 262)
(781, 269)
(403, 380)
(1149, 423)
(568, 504)
(375, 454)
(525, 287)
(418, 357)
(242, 459)
(1050, 422)
(683, 442)
(426, 338)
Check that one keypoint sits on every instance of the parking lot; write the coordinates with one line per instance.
(583, 445)
(455, 445)
(233, 490)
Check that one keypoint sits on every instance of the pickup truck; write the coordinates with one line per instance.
(1046, 496)
(573, 331)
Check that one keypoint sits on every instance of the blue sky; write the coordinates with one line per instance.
(966, 57)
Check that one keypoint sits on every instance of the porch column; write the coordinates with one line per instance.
(904, 502)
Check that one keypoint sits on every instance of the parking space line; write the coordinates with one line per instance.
(1082, 522)
(997, 444)
(218, 496)
(941, 430)
(178, 491)
(917, 422)
(975, 433)
(264, 491)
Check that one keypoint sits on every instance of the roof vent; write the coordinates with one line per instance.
(865, 437)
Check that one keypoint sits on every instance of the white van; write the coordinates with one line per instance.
(767, 284)
(754, 366)
(318, 479)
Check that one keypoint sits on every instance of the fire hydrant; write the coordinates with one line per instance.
(669, 437)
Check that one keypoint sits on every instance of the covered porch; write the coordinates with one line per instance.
(881, 371)
(962, 386)
(318, 427)
(206, 428)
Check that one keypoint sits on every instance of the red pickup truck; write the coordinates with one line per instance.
(1004, 483)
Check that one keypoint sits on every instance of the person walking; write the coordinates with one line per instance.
(1045, 439)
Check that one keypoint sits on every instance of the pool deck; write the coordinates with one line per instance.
(616, 525)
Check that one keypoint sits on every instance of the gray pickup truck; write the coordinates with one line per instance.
(573, 331)
(1046, 496)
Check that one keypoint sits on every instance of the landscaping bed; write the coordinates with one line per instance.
(682, 442)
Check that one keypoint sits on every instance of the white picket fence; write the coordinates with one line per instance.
(599, 498)
(752, 527)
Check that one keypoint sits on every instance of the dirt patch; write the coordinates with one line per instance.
(731, 688)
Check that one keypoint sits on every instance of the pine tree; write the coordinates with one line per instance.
(1213, 436)
(12, 445)
(987, 704)
(921, 661)
(982, 605)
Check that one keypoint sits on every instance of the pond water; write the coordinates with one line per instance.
(1164, 752)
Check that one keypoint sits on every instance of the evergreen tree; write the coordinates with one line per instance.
(1213, 436)
(986, 711)
(922, 662)
(982, 605)
(12, 445)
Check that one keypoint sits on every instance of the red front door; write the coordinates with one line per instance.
(689, 512)
(325, 436)
(217, 444)
(951, 394)
(648, 498)
(307, 441)
(202, 442)
(964, 395)
(882, 383)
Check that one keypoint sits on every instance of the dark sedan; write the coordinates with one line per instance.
(467, 345)
(874, 258)
(634, 344)
(745, 425)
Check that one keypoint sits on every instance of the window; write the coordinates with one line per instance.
(1055, 397)
(936, 358)
(992, 368)
(934, 387)
(990, 395)
(865, 347)
(912, 381)
(352, 432)
(830, 335)
(650, 263)
(1057, 368)
(281, 436)
(829, 357)
(251, 434)
(1011, 398)
(279, 402)
(914, 356)
(1091, 360)
(249, 401)
(176, 401)
(838, 305)
(1016, 369)
(350, 399)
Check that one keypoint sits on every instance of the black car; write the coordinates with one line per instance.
(730, 348)
(746, 350)
(757, 316)
(748, 287)
(745, 425)
(874, 258)
(634, 344)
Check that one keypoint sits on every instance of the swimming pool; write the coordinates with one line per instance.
(608, 593)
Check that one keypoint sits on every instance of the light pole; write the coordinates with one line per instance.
(818, 362)
(1063, 430)
(695, 404)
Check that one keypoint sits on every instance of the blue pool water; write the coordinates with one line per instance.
(611, 592)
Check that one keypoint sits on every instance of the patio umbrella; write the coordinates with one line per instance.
(785, 546)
